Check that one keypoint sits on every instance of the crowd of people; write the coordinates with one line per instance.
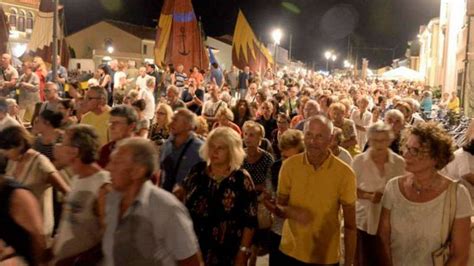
(159, 165)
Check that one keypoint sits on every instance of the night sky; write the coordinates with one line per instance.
(316, 25)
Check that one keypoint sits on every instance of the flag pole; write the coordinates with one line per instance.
(55, 42)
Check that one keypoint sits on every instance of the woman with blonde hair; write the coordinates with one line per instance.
(225, 116)
(41, 71)
(160, 129)
(222, 200)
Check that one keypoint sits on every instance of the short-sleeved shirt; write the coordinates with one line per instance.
(322, 191)
(7, 75)
(100, 123)
(231, 206)
(190, 158)
(29, 96)
(415, 227)
(155, 230)
(369, 179)
(35, 176)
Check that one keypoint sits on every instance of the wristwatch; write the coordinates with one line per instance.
(245, 250)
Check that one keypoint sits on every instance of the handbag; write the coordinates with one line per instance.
(441, 255)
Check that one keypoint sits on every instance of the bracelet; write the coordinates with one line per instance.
(245, 250)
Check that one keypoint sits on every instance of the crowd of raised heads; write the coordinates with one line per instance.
(161, 165)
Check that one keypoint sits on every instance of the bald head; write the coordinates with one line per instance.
(6, 60)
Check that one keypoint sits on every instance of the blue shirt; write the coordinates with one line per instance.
(62, 73)
(190, 158)
(216, 73)
(426, 104)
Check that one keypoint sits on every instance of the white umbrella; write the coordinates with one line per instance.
(403, 73)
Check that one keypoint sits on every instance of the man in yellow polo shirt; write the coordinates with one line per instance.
(98, 112)
(312, 188)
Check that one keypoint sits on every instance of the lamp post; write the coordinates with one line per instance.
(276, 35)
(327, 55)
(333, 58)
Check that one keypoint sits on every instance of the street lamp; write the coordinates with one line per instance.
(110, 49)
(276, 35)
(333, 57)
(327, 55)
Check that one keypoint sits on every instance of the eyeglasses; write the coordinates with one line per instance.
(413, 151)
(87, 98)
(116, 123)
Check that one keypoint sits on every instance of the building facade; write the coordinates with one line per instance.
(447, 51)
(108, 39)
(429, 64)
(21, 18)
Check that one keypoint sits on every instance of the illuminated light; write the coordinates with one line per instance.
(19, 49)
(276, 35)
(110, 49)
(107, 58)
(327, 55)
(333, 57)
(14, 34)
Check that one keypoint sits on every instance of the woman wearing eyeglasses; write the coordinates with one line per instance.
(413, 205)
(159, 130)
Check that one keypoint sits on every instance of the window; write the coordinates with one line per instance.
(29, 21)
(12, 18)
(145, 48)
(21, 21)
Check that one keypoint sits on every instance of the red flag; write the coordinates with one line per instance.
(179, 39)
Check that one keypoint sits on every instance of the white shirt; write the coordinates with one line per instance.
(415, 227)
(211, 108)
(146, 95)
(370, 179)
(345, 156)
(79, 229)
(141, 81)
(8, 121)
(117, 77)
(462, 165)
(364, 122)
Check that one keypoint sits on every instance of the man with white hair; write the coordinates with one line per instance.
(310, 109)
(5, 119)
(313, 187)
(145, 224)
(8, 75)
(181, 151)
(142, 78)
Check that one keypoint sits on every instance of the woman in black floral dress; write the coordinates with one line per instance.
(221, 200)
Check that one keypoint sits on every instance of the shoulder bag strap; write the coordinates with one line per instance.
(449, 212)
(217, 109)
(178, 163)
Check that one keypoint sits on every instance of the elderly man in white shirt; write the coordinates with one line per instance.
(5, 119)
(373, 169)
(142, 78)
